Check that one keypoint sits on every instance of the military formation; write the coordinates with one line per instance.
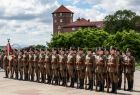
(102, 68)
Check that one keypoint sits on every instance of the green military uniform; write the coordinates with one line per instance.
(36, 65)
(11, 65)
(25, 65)
(112, 68)
(20, 65)
(100, 70)
(31, 66)
(129, 69)
(55, 67)
(71, 59)
(16, 65)
(90, 68)
(120, 68)
(80, 67)
(62, 67)
(48, 66)
(6, 65)
(42, 66)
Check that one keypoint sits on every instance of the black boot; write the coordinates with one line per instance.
(131, 85)
(56, 81)
(115, 88)
(91, 88)
(72, 82)
(42, 78)
(100, 86)
(16, 75)
(112, 88)
(6, 74)
(81, 83)
(65, 82)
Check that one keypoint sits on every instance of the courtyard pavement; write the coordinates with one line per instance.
(16, 87)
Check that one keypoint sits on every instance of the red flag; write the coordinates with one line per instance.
(9, 48)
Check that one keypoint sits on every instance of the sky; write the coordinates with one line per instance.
(29, 22)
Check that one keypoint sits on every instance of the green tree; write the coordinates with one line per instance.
(119, 21)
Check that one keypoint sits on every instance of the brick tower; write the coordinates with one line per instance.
(61, 16)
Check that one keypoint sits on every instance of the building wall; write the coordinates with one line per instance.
(61, 19)
(70, 29)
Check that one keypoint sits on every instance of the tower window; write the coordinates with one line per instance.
(54, 14)
(61, 20)
(61, 14)
(73, 29)
(55, 20)
(59, 27)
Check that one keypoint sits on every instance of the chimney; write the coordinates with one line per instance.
(88, 20)
(78, 19)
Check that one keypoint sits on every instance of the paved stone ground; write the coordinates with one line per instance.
(16, 87)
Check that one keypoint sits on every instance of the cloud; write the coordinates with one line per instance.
(30, 21)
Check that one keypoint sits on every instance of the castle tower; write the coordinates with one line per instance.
(61, 16)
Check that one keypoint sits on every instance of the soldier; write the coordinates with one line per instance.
(71, 59)
(31, 65)
(129, 69)
(80, 66)
(36, 64)
(6, 65)
(112, 68)
(25, 64)
(11, 64)
(48, 65)
(20, 64)
(90, 68)
(55, 66)
(106, 76)
(120, 68)
(100, 70)
(62, 65)
(15, 63)
(42, 66)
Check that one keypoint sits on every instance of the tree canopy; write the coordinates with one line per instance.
(119, 21)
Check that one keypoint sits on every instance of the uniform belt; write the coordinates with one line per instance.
(99, 64)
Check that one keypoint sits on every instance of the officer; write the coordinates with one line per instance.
(129, 67)
(112, 67)
(6, 65)
(30, 61)
(80, 66)
(62, 65)
(55, 66)
(16, 63)
(100, 69)
(42, 65)
(25, 64)
(120, 67)
(36, 64)
(48, 65)
(71, 59)
(20, 64)
(90, 68)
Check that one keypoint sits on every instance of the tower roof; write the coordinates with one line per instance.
(62, 9)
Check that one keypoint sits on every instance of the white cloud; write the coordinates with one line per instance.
(30, 21)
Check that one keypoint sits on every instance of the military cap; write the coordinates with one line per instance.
(128, 50)
(89, 49)
(112, 48)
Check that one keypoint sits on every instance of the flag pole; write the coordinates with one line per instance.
(8, 47)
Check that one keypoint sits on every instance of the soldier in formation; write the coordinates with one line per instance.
(102, 68)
